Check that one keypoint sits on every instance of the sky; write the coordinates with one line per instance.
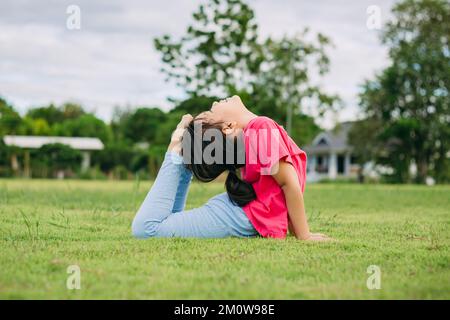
(110, 60)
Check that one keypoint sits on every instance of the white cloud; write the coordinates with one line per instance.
(357, 53)
(111, 60)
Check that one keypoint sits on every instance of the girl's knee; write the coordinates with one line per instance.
(138, 230)
(143, 229)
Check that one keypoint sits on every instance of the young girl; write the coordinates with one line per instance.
(266, 201)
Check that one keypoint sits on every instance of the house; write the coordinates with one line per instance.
(85, 145)
(330, 155)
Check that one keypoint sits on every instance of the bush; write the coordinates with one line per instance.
(92, 174)
(59, 158)
(120, 172)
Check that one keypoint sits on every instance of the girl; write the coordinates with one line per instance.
(266, 201)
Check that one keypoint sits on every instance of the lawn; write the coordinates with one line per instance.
(46, 226)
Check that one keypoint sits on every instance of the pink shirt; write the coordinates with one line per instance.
(267, 143)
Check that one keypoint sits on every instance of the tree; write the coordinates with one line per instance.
(194, 105)
(36, 127)
(142, 125)
(119, 121)
(10, 120)
(50, 113)
(411, 96)
(366, 142)
(115, 154)
(53, 114)
(59, 157)
(285, 75)
(165, 130)
(72, 110)
(305, 129)
(221, 54)
(87, 125)
(218, 51)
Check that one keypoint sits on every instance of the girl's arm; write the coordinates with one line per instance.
(185, 178)
(286, 177)
(177, 135)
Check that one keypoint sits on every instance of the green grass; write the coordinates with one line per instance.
(45, 226)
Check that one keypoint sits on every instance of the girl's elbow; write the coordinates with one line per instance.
(292, 188)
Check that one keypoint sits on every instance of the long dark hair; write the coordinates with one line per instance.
(239, 191)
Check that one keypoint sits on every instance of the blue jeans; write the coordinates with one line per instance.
(162, 213)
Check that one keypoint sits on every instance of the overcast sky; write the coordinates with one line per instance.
(111, 61)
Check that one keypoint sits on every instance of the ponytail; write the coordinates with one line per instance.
(239, 191)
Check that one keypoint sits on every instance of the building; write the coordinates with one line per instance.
(330, 155)
(85, 145)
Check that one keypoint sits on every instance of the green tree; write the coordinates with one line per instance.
(115, 154)
(165, 130)
(36, 127)
(50, 113)
(304, 130)
(87, 125)
(285, 76)
(120, 118)
(221, 54)
(411, 96)
(10, 120)
(142, 124)
(219, 49)
(59, 157)
(193, 105)
(364, 138)
(72, 110)
(53, 114)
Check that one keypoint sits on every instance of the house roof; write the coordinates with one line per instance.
(332, 140)
(35, 142)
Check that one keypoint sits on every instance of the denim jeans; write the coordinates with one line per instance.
(162, 213)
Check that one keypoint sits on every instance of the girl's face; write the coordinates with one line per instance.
(224, 113)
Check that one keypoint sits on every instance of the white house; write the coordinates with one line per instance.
(330, 155)
(85, 145)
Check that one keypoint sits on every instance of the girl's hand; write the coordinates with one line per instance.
(177, 135)
(318, 237)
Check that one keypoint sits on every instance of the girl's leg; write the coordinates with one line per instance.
(182, 191)
(218, 218)
(167, 195)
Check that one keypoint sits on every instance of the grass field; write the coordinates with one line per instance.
(45, 226)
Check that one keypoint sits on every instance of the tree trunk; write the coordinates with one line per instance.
(14, 163)
(422, 170)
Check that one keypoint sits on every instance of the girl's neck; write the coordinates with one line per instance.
(244, 118)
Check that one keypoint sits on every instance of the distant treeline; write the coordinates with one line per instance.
(404, 106)
(135, 139)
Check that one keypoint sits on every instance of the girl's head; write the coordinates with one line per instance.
(225, 113)
(213, 144)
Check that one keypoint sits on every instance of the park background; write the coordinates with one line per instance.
(75, 71)
(125, 72)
